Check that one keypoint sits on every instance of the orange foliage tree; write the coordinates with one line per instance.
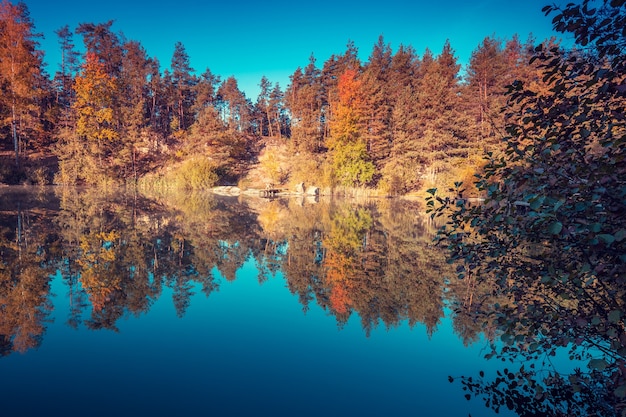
(86, 155)
(350, 161)
(20, 73)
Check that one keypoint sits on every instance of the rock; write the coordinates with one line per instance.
(227, 190)
(312, 190)
(300, 188)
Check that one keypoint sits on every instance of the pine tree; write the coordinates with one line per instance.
(376, 112)
(234, 105)
(486, 81)
(303, 99)
(265, 127)
(205, 92)
(68, 67)
(183, 82)
(278, 117)
(133, 107)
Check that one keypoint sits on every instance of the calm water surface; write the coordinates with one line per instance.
(124, 305)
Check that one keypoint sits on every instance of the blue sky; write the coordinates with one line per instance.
(249, 39)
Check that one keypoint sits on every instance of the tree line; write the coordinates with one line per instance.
(398, 121)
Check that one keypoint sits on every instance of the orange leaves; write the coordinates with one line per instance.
(94, 100)
(349, 88)
(340, 299)
(98, 275)
(93, 85)
(346, 111)
(338, 266)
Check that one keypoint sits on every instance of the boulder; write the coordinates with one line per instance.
(312, 190)
(300, 188)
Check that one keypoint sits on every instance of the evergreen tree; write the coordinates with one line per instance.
(205, 92)
(235, 108)
(68, 67)
(486, 82)
(377, 108)
(278, 117)
(333, 68)
(263, 108)
(183, 82)
(303, 99)
(134, 107)
(100, 41)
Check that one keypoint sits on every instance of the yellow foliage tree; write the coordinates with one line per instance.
(350, 160)
(95, 93)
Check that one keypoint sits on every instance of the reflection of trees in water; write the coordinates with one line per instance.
(373, 259)
(117, 252)
(27, 243)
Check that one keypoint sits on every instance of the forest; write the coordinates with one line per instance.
(398, 122)
(538, 131)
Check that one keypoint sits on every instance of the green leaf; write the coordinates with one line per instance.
(615, 316)
(620, 392)
(535, 203)
(555, 228)
(599, 364)
(620, 235)
(606, 238)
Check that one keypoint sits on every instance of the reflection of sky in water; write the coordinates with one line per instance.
(246, 350)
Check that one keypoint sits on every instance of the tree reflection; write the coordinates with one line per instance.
(115, 254)
(26, 243)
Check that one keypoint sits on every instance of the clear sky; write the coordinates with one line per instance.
(252, 38)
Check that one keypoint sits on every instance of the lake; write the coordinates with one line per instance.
(125, 305)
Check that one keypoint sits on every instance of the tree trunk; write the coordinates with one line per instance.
(269, 121)
(14, 132)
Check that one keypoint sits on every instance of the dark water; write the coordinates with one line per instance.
(123, 305)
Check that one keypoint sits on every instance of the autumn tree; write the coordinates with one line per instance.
(20, 74)
(85, 155)
(350, 160)
(331, 71)
(104, 44)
